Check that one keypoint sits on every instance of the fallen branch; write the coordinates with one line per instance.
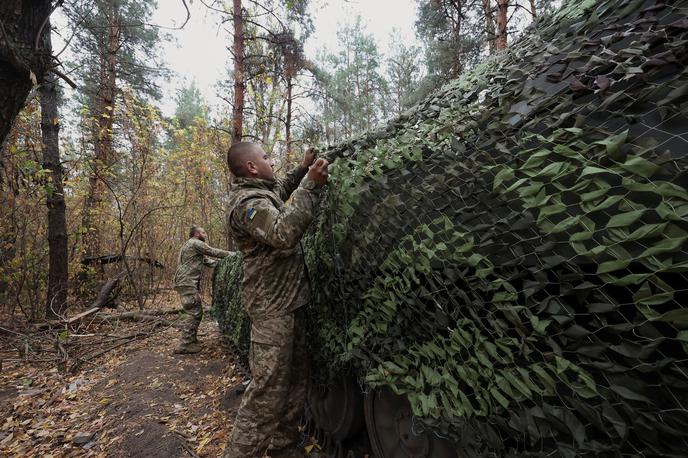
(137, 313)
(48, 324)
(12, 332)
(104, 298)
(152, 315)
(81, 360)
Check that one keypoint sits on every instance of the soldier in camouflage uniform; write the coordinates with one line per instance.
(192, 257)
(275, 289)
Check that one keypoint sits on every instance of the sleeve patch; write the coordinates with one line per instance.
(250, 214)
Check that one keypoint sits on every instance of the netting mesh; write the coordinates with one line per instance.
(511, 255)
(228, 308)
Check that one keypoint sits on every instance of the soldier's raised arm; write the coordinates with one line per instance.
(281, 229)
(206, 250)
(286, 186)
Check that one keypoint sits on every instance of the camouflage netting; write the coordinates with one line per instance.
(512, 254)
(228, 308)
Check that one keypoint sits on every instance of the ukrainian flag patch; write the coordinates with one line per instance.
(251, 214)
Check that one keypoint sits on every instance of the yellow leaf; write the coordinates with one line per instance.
(202, 444)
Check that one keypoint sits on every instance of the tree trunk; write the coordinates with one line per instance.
(58, 277)
(457, 65)
(20, 23)
(533, 9)
(502, 20)
(239, 78)
(102, 138)
(489, 25)
(287, 123)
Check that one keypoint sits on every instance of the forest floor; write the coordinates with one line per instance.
(135, 400)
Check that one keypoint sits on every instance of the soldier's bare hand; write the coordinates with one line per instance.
(318, 172)
(309, 157)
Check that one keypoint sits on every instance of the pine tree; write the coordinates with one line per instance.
(116, 48)
(267, 60)
(58, 276)
(353, 84)
(453, 37)
(403, 72)
(190, 105)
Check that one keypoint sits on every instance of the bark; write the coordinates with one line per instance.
(21, 22)
(152, 315)
(533, 9)
(56, 301)
(102, 137)
(293, 62)
(502, 20)
(287, 123)
(489, 25)
(60, 323)
(239, 74)
(456, 21)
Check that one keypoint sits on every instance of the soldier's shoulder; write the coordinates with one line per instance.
(249, 211)
(251, 201)
(194, 242)
(241, 198)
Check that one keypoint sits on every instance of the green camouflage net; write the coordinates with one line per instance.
(228, 309)
(512, 254)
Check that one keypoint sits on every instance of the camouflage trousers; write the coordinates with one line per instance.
(274, 400)
(193, 310)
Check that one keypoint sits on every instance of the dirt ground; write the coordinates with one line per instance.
(138, 400)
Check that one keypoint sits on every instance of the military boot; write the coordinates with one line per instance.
(187, 348)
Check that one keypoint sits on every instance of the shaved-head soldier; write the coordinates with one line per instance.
(275, 289)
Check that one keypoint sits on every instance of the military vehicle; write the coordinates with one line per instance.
(502, 271)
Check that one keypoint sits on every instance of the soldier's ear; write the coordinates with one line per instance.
(251, 168)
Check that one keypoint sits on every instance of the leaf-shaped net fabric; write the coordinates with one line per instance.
(511, 255)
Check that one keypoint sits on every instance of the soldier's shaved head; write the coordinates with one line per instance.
(239, 154)
(246, 159)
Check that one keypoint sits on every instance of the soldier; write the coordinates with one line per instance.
(193, 255)
(275, 289)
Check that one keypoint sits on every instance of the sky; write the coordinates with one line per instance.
(199, 52)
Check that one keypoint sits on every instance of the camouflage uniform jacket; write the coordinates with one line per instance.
(193, 255)
(267, 231)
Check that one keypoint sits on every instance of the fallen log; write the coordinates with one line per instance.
(133, 315)
(71, 320)
(137, 314)
(105, 297)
